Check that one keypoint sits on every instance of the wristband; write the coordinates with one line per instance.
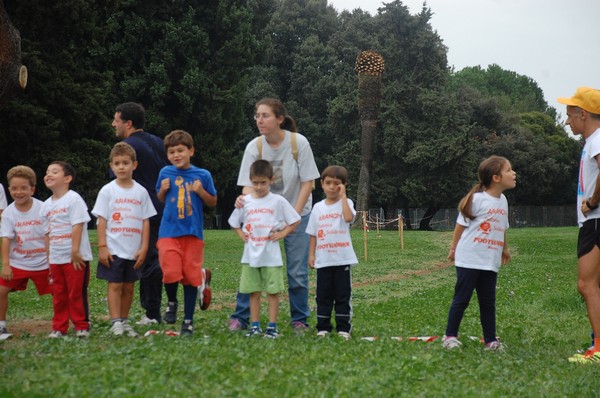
(588, 204)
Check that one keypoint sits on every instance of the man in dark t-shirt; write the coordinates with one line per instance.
(129, 126)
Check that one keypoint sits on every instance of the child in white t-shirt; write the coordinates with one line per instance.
(332, 254)
(123, 209)
(261, 223)
(23, 240)
(70, 253)
(479, 248)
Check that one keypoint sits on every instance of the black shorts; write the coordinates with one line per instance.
(589, 236)
(121, 270)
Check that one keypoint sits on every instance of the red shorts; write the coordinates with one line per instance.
(181, 260)
(41, 280)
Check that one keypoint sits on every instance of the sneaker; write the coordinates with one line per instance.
(271, 333)
(204, 291)
(171, 313)
(129, 330)
(82, 334)
(299, 327)
(590, 356)
(55, 334)
(145, 321)
(344, 335)
(254, 331)
(236, 325)
(451, 342)
(117, 328)
(187, 329)
(497, 346)
(322, 333)
(3, 330)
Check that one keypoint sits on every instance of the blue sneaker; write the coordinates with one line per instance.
(254, 331)
(271, 333)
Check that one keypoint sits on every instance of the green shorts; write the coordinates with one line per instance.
(262, 279)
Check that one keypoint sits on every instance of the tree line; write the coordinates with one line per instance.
(201, 65)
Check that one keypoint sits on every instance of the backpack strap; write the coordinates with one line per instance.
(259, 146)
(293, 142)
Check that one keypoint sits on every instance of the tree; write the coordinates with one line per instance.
(61, 115)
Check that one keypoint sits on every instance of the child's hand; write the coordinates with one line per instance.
(77, 261)
(104, 256)
(342, 189)
(245, 237)
(140, 257)
(277, 235)
(506, 257)
(165, 184)
(311, 260)
(451, 254)
(6, 273)
(197, 187)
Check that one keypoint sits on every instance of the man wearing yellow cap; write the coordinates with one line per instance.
(583, 116)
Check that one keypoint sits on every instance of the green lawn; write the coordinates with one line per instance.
(541, 319)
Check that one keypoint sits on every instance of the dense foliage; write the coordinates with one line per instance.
(201, 65)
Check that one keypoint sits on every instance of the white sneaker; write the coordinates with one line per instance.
(117, 328)
(494, 346)
(55, 334)
(451, 342)
(322, 333)
(129, 330)
(344, 335)
(145, 321)
(82, 334)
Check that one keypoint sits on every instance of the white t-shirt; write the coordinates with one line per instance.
(3, 202)
(27, 233)
(258, 218)
(61, 215)
(288, 172)
(334, 245)
(124, 210)
(481, 243)
(588, 175)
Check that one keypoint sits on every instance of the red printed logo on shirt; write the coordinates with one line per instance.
(321, 234)
(117, 217)
(486, 227)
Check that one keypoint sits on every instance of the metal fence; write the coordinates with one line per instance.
(445, 219)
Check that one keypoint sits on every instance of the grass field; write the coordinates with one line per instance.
(541, 320)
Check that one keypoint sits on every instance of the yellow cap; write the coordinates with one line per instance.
(585, 98)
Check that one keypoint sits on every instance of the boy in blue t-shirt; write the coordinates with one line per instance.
(185, 189)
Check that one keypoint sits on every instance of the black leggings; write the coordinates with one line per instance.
(484, 282)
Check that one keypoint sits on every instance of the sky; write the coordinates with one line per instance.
(554, 42)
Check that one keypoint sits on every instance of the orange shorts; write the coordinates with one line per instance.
(41, 280)
(181, 260)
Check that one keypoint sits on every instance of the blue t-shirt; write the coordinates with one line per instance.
(184, 210)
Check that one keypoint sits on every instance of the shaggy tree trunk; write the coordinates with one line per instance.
(370, 66)
(13, 75)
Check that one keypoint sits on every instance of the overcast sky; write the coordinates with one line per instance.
(555, 42)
